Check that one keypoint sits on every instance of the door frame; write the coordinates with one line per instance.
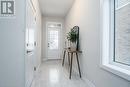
(46, 43)
(30, 4)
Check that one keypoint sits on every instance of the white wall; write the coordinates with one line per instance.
(45, 20)
(12, 32)
(12, 46)
(86, 14)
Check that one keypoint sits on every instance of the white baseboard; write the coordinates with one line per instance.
(44, 59)
(88, 82)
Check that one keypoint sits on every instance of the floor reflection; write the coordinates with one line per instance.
(54, 76)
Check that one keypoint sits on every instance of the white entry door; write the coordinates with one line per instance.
(53, 40)
(30, 44)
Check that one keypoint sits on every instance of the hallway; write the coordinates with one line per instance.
(52, 74)
(92, 36)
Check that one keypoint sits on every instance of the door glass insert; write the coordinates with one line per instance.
(53, 42)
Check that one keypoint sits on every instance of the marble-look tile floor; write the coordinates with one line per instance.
(52, 74)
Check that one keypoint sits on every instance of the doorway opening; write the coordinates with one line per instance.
(53, 38)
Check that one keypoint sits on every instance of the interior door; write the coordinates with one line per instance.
(30, 44)
(53, 40)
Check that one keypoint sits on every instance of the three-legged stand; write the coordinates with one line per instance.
(71, 62)
(64, 57)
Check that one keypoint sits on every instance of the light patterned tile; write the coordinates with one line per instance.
(52, 74)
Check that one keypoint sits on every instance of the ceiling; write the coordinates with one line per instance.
(55, 8)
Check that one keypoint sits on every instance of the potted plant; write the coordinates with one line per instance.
(72, 37)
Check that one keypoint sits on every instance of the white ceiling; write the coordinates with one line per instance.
(55, 8)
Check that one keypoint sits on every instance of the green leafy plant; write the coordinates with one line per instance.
(72, 36)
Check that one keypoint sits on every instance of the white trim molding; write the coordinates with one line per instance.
(106, 49)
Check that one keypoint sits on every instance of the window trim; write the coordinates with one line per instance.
(106, 59)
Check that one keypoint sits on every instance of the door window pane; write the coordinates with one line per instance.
(53, 39)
